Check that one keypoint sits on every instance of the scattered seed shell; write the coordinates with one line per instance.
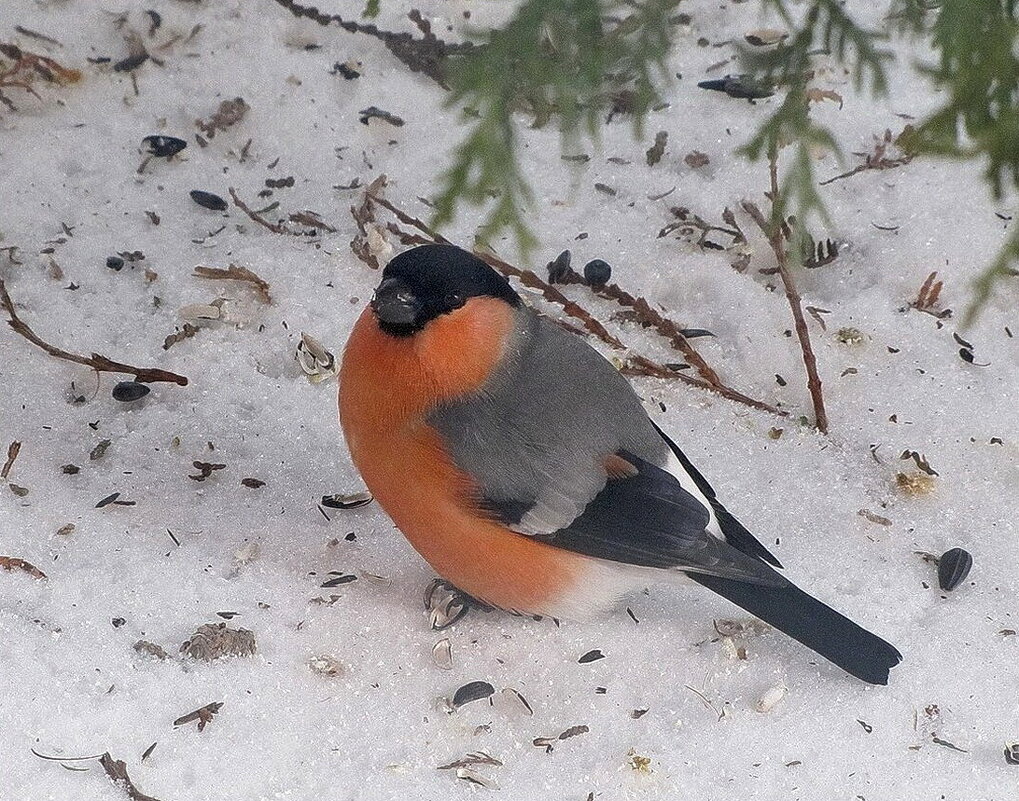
(1012, 753)
(442, 655)
(770, 699)
(559, 268)
(315, 361)
(164, 146)
(765, 37)
(472, 691)
(591, 656)
(326, 666)
(200, 311)
(518, 699)
(474, 777)
(953, 567)
(351, 500)
(336, 581)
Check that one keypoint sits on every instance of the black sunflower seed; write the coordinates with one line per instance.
(953, 567)
(208, 200)
(127, 391)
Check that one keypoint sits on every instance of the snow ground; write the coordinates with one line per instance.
(70, 681)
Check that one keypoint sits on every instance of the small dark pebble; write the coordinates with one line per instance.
(118, 622)
(472, 691)
(253, 483)
(637, 714)
(1012, 754)
(591, 656)
(127, 391)
(228, 615)
(207, 200)
(597, 273)
(348, 73)
(559, 268)
(953, 567)
(164, 146)
(70, 469)
(115, 263)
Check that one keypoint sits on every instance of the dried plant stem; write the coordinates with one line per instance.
(98, 363)
(635, 365)
(774, 230)
(276, 229)
(639, 365)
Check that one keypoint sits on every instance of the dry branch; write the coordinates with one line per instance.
(13, 563)
(235, 273)
(877, 159)
(99, 363)
(776, 233)
(254, 215)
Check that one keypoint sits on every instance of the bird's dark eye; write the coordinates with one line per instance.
(454, 300)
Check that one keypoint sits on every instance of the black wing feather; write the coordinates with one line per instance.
(735, 532)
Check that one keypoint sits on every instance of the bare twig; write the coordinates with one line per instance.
(254, 215)
(650, 317)
(877, 159)
(639, 365)
(13, 563)
(97, 362)
(116, 769)
(235, 273)
(776, 237)
(636, 364)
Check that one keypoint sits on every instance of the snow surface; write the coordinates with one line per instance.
(70, 682)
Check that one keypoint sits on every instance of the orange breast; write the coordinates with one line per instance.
(387, 386)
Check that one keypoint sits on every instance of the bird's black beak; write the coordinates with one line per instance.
(394, 303)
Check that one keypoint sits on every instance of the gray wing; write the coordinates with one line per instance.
(537, 438)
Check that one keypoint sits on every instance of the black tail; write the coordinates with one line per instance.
(817, 626)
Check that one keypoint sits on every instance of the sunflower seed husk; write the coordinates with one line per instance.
(442, 654)
(472, 691)
(351, 500)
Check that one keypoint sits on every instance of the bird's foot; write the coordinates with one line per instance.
(445, 604)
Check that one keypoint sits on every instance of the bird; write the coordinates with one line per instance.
(523, 467)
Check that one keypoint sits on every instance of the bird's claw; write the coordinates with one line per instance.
(446, 604)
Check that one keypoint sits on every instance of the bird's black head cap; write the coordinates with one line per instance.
(431, 280)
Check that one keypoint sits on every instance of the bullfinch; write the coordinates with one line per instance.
(522, 466)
